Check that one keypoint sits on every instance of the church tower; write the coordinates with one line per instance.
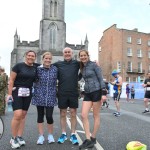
(52, 26)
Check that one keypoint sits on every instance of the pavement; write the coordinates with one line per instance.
(114, 133)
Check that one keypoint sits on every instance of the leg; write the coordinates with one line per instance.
(49, 117)
(22, 123)
(117, 105)
(86, 106)
(73, 113)
(63, 114)
(96, 115)
(40, 119)
(16, 121)
(146, 103)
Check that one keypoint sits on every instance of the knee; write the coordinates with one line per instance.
(63, 113)
(18, 116)
(84, 116)
(49, 120)
(73, 113)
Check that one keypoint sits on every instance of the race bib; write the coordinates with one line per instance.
(148, 89)
(23, 92)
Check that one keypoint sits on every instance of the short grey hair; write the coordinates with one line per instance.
(67, 48)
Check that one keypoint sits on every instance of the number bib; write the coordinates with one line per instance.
(147, 88)
(23, 92)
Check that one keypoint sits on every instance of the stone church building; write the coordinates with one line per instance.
(52, 35)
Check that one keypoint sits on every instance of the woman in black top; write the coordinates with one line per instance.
(20, 86)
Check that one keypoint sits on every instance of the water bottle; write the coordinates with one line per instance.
(9, 105)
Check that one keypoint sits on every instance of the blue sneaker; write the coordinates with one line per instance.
(74, 139)
(62, 139)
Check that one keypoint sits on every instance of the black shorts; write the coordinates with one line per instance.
(117, 96)
(93, 96)
(67, 101)
(147, 94)
(21, 102)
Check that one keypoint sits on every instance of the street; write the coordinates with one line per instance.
(114, 133)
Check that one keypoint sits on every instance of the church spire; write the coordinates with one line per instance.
(86, 42)
(15, 39)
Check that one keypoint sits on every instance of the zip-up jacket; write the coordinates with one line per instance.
(92, 75)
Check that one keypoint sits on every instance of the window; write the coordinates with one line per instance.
(148, 54)
(134, 79)
(119, 66)
(139, 53)
(129, 39)
(53, 30)
(129, 52)
(129, 66)
(139, 41)
(55, 10)
(140, 67)
(127, 79)
(148, 43)
(51, 8)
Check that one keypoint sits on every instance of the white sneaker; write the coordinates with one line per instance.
(14, 143)
(21, 141)
(50, 139)
(40, 140)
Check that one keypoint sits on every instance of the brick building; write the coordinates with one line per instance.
(128, 51)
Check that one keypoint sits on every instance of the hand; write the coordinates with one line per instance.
(8, 97)
(148, 83)
(104, 98)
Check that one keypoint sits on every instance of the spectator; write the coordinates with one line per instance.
(127, 92)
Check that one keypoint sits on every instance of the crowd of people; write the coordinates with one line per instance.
(51, 88)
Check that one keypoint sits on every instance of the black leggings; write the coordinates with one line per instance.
(48, 112)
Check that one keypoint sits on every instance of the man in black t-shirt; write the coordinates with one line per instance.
(68, 93)
(146, 85)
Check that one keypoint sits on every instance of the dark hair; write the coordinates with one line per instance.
(29, 52)
(81, 63)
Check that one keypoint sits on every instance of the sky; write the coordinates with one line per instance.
(82, 17)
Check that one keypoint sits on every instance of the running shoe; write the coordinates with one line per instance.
(74, 139)
(40, 140)
(21, 141)
(86, 144)
(145, 111)
(117, 114)
(50, 139)
(93, 140)
(14, 143)
(62, 138)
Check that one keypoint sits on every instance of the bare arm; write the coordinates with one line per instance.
(11, 83)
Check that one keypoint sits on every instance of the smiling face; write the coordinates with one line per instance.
(30, 58)
(67, 53)
(84, 56)
(47, 59)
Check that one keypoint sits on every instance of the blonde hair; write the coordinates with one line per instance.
(46, 53)
(81, 63)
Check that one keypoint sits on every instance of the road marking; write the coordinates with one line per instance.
(78, 137)
(97, 145)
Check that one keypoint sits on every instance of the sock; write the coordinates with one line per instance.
(147, 109)
(72, 133)
(64, 133)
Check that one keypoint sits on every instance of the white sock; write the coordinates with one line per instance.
(64, 133)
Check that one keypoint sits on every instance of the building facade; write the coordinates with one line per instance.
(127, 51)
(52, 36)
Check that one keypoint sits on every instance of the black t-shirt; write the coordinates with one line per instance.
(25, 75)
(68, 77)
(147, 80)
